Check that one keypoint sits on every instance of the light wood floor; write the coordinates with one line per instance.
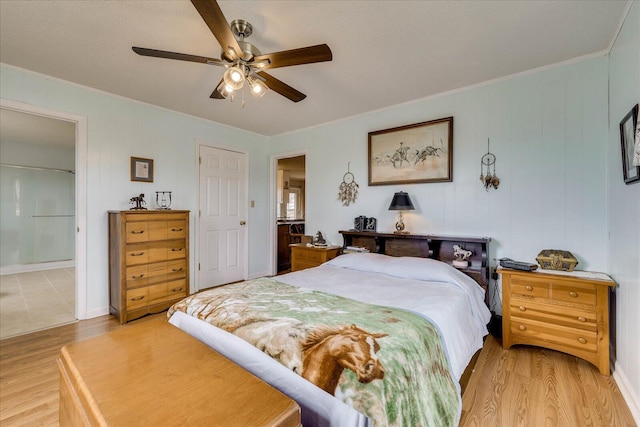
(524, 386)
(529, 386)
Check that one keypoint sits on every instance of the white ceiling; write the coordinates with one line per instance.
(384, 52)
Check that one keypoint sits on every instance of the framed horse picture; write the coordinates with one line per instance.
(410, 154)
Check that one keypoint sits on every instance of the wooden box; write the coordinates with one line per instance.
(553, 259)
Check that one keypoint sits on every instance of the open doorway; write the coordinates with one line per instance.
(290, 207)
(39, 225)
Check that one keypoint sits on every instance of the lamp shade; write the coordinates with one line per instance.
(401, 202)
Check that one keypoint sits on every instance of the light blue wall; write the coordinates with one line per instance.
(119, 128)
(624, 208)
(548, 131)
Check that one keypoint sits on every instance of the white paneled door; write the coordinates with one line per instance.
(222, 254)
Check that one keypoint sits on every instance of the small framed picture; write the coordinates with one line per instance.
(141, 169)
(630, 172)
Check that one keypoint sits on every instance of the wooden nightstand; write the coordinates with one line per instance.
(303, 256)
(563, 311)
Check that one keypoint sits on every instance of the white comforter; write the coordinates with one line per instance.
(452, 300)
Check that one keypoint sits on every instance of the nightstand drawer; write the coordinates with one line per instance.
(565, 336)
(573, 293)
(308, 255)
(556, 314)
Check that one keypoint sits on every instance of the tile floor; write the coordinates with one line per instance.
(37, 300)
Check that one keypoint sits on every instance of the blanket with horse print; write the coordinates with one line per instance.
(387, 363)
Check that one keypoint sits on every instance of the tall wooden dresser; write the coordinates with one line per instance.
(148, 261)
(563, 311)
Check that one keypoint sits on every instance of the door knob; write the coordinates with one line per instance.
(243, 222)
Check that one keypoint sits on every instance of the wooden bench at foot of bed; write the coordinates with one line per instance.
(151, 373)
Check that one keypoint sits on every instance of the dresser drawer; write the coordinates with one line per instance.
(137, 275)
(176, 249)
(137, 298)
(176, 269)
(176, 229)
(560, 315)
(177, 289)
(574, 293)
(137, 231)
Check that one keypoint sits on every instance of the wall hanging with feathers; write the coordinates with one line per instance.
(348, 190)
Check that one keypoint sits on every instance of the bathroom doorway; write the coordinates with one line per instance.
(38, 271)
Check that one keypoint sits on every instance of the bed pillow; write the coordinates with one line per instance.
(425, 269)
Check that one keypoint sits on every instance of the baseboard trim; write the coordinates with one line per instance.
(630, 396)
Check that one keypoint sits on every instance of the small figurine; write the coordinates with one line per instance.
(462, 256)
(138, 201)
(319, 241)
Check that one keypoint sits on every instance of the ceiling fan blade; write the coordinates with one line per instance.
(173, 55)
(215, 94)
(303, 55)
(282, 88)
(217, 23)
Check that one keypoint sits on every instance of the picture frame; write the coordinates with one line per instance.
(141, 169)
(628, 125)
(411, 154)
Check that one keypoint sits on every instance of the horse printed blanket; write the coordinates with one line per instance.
(387, 363)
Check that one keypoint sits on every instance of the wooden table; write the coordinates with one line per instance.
(152, 374)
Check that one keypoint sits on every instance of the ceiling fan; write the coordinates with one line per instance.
(243, 61)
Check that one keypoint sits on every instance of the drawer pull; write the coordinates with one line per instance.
(529, 287)
(176, 229)
(138, 254)
(582, 340)
(137, 298)
(137, 277)
(573, 294)
(137, 232)
(177, 250)
(178, 269)
(176, 289)
(522, 308)
(522, 328)
(582, 319)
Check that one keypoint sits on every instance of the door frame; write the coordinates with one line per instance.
(80, 191)
(273, 200)
(196, 249)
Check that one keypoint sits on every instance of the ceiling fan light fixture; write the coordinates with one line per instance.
(258, 87)
(224, 89)
(234, 77)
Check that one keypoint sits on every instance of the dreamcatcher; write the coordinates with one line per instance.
(487, 178)
(348, 188)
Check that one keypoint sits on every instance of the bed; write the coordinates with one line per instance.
(364, 339)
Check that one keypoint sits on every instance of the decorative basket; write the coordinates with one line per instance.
(553, 259)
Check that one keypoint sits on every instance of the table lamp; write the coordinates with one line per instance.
(401, 202)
